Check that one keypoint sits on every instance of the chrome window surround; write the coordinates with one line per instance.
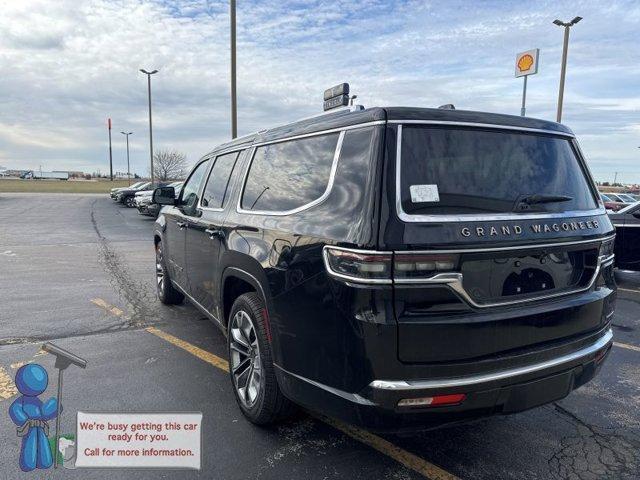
(334, 168)
(206, 158)
(454, 280)
(321, 198)
(441, 218)
(408, 385)
(210, 171)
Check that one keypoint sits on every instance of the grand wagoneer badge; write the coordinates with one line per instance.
(510, 230)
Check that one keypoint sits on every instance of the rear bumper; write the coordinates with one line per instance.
(495, 392)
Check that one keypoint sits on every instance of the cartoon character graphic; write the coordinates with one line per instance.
(31, 415)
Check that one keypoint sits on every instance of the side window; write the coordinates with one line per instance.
(217, 187)
(189, 196)
(287, 175)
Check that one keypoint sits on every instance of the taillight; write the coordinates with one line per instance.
(606, 248)
(411, 265)
(369, 267)
(383, 267)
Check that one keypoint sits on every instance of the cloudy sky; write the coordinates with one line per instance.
(67, 65)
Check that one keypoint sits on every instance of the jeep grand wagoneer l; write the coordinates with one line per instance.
(398, 268)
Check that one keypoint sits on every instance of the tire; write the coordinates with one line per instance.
(130, 202)
(167, 293)
(260, 399)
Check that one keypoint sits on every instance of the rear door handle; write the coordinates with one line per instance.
(214, 233)
(181, 225)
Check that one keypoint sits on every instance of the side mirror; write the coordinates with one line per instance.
(164, 196)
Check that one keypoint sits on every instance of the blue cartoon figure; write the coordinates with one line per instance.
(31, 415)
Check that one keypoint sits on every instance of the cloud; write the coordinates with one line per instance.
(69, 65)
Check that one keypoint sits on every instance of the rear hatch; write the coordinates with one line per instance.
(499, 227)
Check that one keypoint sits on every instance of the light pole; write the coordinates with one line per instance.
(110, 153)
(563, 72)
(234, 106)
(126, 134)
(148, 74)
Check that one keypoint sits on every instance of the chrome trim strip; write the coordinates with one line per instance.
(500, 249)
(472, 217)
(321, 132)
(583, 162)
(482, 125)
(622, 225)
(453, 280)
(322, 198)
(352, 397)
(409, 385)
(199, 306)
(206, 181)
(349, 278)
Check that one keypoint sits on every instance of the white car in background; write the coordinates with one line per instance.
(143, 200)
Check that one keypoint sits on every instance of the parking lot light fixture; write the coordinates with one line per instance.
(563, 71)
(126, 134)
(148, 74)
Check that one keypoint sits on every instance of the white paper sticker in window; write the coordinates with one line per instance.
(424, 193)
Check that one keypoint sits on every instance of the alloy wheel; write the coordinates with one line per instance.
(159, 269)
(246, 367)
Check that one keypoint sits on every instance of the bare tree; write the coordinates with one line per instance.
(169, 164)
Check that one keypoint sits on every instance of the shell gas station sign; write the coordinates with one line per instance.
(527, 63)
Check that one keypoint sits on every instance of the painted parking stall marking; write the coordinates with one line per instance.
(7, 388)
(105, 306)
(208, 357)
(627, 346)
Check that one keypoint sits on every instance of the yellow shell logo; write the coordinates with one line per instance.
(525, 62)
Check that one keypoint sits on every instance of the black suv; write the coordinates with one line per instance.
(399, 268)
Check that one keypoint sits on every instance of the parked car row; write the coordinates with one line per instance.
(618, 201)
(144, 200)
(140, 195)
(627, 244)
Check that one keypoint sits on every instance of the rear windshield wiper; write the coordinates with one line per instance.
(526, 201)
(534, 199)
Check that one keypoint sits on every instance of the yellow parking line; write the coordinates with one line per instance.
(208, 357)
(7, 387)
(17, 365)
(407, 459)
(627, 346)
(628, 290)
(109, 308)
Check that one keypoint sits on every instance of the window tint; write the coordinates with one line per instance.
(190, 190)
(218, 183)
(287, 175)
(455, 171)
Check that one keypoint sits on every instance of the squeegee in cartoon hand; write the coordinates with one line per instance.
(31, 415)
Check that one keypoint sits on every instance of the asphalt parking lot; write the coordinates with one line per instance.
(78, 270)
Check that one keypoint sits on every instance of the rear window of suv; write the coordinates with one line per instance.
(458, 170)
